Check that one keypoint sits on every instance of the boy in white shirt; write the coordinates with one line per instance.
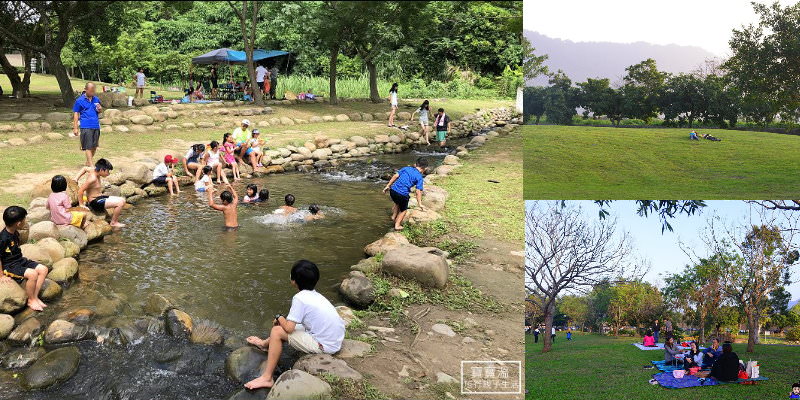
(313, 326)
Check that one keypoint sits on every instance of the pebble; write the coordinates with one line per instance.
(443, 329)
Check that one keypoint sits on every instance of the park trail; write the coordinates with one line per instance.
(406, 363)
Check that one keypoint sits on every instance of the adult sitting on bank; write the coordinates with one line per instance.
(726, 368)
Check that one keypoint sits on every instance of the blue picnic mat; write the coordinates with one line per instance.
(661, 365)
(668, 381)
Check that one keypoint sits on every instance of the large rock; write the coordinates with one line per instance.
(136, 172)
(58, 116)
(6, 325)
(342, 117)
(296, 385)
(157, 304)
(357, 290)
(36, 253)
(353, 348)
(70, 249)
(21, 357)
(50, 290)
(43, 229)
(26, 330)
(64, 270)
(178, 323)
(388, 242)
(61, 331)
(53, 368)
(245, 363)
(347, 315)
(12, 297)
(359, 141)
(52, 247)
(434, 198)
(319, 364)
(42, 189)
(426, 265)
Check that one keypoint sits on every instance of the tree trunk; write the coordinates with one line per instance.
(26, 78)
(258, 95)
(13, 76)
(538, 117)
(752, 331)
(548, 325)
(332, 74)
(57, 68)
(374, 96)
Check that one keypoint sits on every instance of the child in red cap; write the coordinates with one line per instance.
(164, 175)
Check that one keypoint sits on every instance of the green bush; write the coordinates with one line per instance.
(793, 334)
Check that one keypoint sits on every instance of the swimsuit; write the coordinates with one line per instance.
(98, 204)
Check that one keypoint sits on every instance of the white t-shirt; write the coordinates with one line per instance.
(161, 170)
(394, 98)
(319, 318)
(140, 79)
(260, 73)
(201, 183)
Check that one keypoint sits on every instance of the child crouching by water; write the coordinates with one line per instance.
(204, 184)
(228, 207)
(313, 326)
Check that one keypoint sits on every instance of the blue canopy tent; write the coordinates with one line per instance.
(240, 57)
(235, 57)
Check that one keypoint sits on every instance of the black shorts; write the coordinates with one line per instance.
(90, 138)
(261, 85)
(160, 181)
(17, 270)
(214, 83)
(98, 204)
(400, 200)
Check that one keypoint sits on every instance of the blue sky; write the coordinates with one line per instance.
(663, 250)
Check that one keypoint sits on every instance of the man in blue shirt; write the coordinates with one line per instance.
(85, 111)
(399, 188)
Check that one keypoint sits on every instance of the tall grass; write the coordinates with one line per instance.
(359, 87)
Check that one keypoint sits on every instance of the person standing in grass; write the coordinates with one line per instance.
(399, 188)
(536, 335)
(569, 334)
(214, 81)
(393, 103)
(85, 117)
(261, 75)
(442, 126)
(668, 327)
(553, 334)
(138, 79)
(656, 329)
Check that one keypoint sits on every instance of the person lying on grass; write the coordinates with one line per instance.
(711, 138)
(14, 265)
(313, 326)
(693, 136)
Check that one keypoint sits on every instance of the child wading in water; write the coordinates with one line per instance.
(92, 189)
(228, 207)
(228, 149)
(58, 203)
(14, 265)
(204, 184)
(315, 213)
(288, 208)
(313, 326)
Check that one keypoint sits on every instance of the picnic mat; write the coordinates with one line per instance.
(668, 381)
(659, 346)
(661, 365)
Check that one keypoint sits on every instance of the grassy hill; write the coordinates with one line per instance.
(570, 162)
(599, 367)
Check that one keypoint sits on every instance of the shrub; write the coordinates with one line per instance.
(793, 334)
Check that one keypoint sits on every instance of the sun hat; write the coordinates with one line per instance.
(245, 122)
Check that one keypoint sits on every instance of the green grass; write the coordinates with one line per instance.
(569, 162)
(478, 207)
(599, 367)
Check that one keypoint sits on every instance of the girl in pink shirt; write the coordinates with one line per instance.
(58, 203)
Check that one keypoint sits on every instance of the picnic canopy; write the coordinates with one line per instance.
(228, 56)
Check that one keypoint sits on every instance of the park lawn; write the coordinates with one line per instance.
(599, 367)
(482, 208)
(571, 162)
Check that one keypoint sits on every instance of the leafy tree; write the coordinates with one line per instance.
(599, 98)
(533, 102)
(642, 85)
(248, 23)
(532, 65)
(560, 99)
(575, 309)
(697, 290)
(634, 303)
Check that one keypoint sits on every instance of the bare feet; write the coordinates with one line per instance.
(258, 383)
(256, 341)
(117, 225)
(34, 305)
(398, 228)
(40, 302)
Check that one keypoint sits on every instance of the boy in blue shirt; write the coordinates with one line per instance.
(85, 110)
(399, 188)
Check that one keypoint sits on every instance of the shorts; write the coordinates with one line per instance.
(160, 181)
(98, 204)
(440, 135)
(17, 270)
(399, 199)
(77, 218)
(423, 121)
(214, 84)
(140, 86)
(90, 138)
(302, 341)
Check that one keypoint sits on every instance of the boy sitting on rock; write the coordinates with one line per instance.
(93, 190)
(313, 326)
(14, 265)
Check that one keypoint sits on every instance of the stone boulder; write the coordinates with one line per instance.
(157, 304)
(245, 363)
(6, 325)
(70, 249)
(50, 290)
(353, 348)
(434, 198)
(357, 290)
(367, 265)
(21, 357)
(346, 314)
(12, 297)
(136, 172)
(58, 116)
(359, 141)
(60, 331)
(426, 265)
(36, 253)
(43, 229)
(450, 160)
(178, 323)
(342, 118)
(22, 334)
(52, 247)
(404, 116)
(295, 384)
(388, 242)
(319, 364)
(64, 270)
(53, 368)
